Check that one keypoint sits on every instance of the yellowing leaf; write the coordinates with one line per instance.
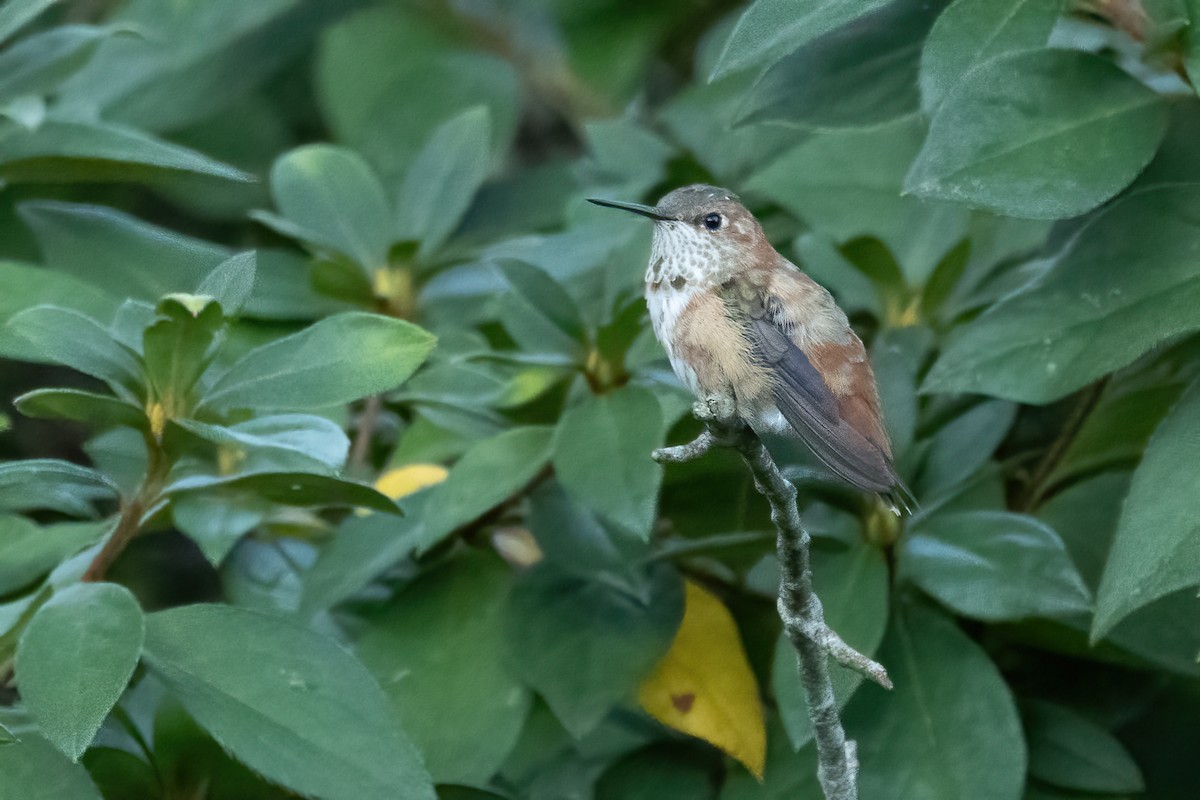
(403, 481)
(704, 686)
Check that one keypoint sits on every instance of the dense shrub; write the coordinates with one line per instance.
(366, 388)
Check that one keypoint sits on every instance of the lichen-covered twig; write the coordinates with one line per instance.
(799, 606)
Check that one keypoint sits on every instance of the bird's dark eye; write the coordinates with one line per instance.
(712, 221)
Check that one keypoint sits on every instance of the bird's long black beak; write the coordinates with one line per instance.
(636, 208)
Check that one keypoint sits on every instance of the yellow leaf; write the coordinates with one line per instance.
(403, 481)
(704, 686)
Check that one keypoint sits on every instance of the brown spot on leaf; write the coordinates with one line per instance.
(683, 702)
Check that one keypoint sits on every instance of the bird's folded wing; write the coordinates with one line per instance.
(810, 407)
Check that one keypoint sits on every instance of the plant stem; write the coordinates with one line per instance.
(799, 606)
(129, 522)
(367, 420)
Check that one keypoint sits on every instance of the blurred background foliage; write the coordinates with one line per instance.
(228, 229)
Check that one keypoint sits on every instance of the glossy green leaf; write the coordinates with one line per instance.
(1006, 139)
(287, 702)
(1155, 550)
(971, 32)
(770, 29)
(36, 64)
(968, 742)
(864, 73)
(98, 410)
(330, 194)
(443, 179)
(75, 658)
(1126, 283)
(1085, 515)
(27, 552)
(853, 587)
(437, 652)
(289, 488)
(68, 150)
(231, 283)
(27, 286)
(602, 455)
(1071, 751)
(582, 669)
(75, 340)
(310, 369)
(48, 483)
(489, 473)
(33, 769)
(106, 248)
(994, 565)
(15, 14)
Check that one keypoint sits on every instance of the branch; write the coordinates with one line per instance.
(799, 606)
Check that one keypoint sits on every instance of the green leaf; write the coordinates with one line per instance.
(74, 340)
(968, 742)
(289, 488)
(657, 773)
(538, 313)
(330, 194)
(98, 410)
(33, 769)
(217, 520)
(443, 179)
(847, 184)
(770, 29)
(47, 483)
(36, 64)
(994, 565)
(963, 445)
(583, 669)
(27, 552)
(389, 76)
(853, 586)
(360, 550)
(277, 440)
(437, 652)
(310, 369)
(288, 703)
(1192, 53)
(105, 248)
(1126, 283)
(1071, 751)
(62, 150)
(18, 13)
(971, 32)
(75, 658)
(232, 282)
(864, 73)
(1155, 550)
(602, 455)
(178, 347)
(29, 286)
(489, 473)
(1008, 137)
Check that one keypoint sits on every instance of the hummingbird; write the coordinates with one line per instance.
(746, 331)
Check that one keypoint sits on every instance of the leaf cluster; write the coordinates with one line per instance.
(344, 487)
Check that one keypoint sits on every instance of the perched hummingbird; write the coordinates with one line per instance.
(746, 329)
